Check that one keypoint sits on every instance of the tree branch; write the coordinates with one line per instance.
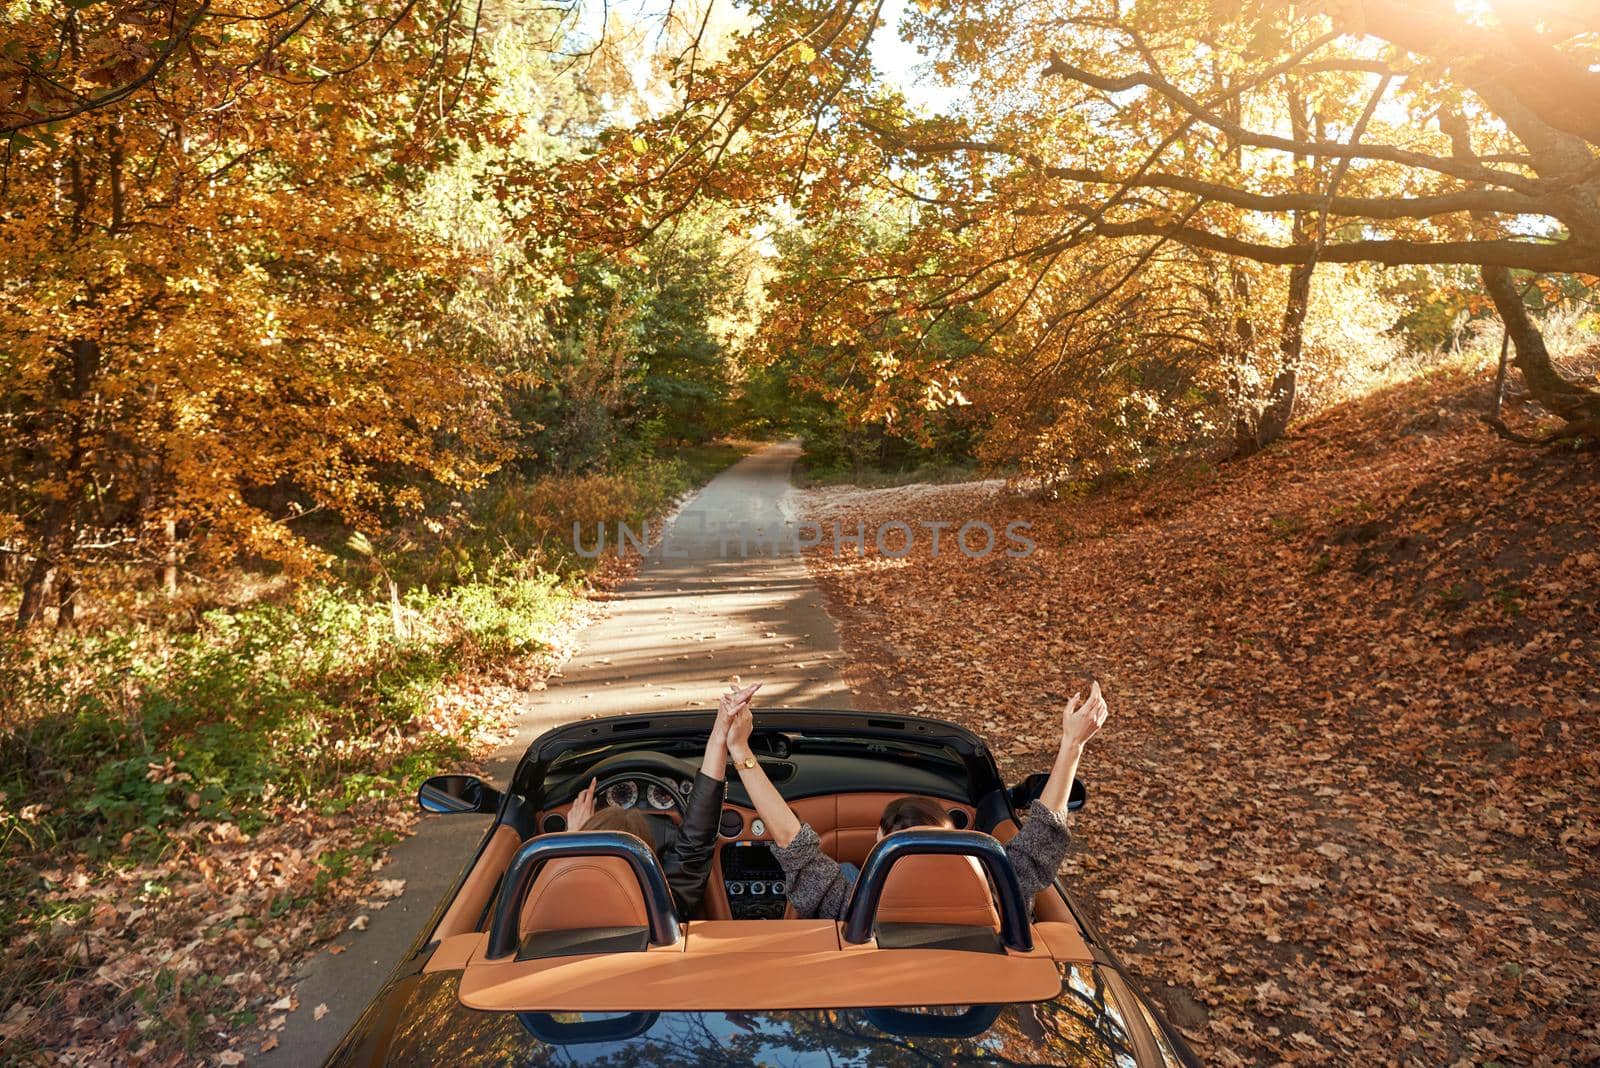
(1423, 207)
(1466, 170)
(1517, 58)
(177, 40)
(1559, 256)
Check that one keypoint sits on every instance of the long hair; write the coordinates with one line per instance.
(630, 820)
(906, 812)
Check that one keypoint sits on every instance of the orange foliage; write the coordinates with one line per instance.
(217, 314)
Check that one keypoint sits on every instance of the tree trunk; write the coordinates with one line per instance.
(397, 617)
(66, 600)
(1575, 403)
(1578, 405)
(1259, 428)
(59, 532)
(35, 590)
(1279, 408)
(1244, 333)
(169, 560)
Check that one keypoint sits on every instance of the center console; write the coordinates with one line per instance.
(754, 881)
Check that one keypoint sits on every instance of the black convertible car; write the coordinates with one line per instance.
(564, 948)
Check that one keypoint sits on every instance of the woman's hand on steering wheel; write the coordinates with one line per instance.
(582, 809)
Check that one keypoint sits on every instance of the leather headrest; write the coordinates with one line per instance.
(937, 889)
(574, 892)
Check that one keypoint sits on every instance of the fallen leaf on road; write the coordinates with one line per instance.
(319, 1012)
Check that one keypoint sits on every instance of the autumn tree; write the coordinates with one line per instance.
(1292, 135)
(1481, 154)
(1305, 134)
(1138, 197)
(217, 312)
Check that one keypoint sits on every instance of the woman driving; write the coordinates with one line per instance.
(686, 858)
(818, 886)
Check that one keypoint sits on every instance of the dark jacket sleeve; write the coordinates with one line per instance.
(687, 861)
(1036, 852)
(816, 887)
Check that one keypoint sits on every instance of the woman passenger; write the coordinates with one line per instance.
(819, 886)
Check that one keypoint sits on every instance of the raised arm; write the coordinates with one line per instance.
(1079, 722)
(773, 809)
(1038, 849)
(688, 860)
(813, 882)
(714, 764)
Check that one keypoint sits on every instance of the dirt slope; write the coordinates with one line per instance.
(1348, 798)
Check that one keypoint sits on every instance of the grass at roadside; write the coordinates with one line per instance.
(177, 802)
(701, 462)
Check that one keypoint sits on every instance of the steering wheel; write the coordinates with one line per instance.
(680, 807)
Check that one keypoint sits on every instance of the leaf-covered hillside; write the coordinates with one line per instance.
(1349, 798)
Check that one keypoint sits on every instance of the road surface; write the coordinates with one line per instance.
(703, 607)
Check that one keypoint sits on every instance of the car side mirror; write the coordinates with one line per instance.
(1024, 793)
(457, 793)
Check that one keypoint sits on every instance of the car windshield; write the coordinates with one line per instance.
(776, 744)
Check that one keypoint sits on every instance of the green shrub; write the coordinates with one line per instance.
(112, 738)
(141, 729)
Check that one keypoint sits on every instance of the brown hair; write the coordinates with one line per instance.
(622, 819)
(906, 812)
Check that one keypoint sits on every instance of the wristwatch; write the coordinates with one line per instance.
(747, 763)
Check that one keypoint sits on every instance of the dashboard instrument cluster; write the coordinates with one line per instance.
(645, 796)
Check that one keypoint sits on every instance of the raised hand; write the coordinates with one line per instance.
(715, 761)
(582, 810)
(731, 702)
(739, 728)
(1082, 717)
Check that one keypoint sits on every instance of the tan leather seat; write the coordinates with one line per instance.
(939, 890)
(578, 892)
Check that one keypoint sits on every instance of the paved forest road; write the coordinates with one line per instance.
(699, 611)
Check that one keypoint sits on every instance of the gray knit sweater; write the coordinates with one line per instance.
(818, 889)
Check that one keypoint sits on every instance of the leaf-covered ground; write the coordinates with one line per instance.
(1348, 803)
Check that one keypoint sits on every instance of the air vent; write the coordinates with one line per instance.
(554, 822)
(958, 819)
(732, 823)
